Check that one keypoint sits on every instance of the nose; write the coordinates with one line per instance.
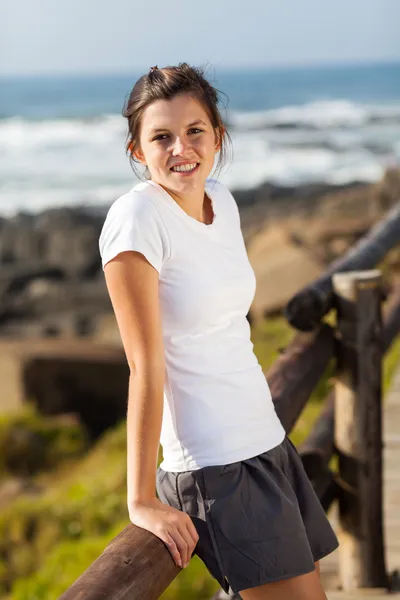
(179, 146)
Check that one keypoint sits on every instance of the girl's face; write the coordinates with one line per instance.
(177, 132)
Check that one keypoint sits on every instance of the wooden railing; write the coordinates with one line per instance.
(136, 565)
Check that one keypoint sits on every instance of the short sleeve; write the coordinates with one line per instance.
(134, 223)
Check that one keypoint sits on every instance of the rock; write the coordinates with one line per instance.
(69, 308)
(65, 237)
(52, 283)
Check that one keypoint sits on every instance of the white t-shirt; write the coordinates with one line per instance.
(217, 403)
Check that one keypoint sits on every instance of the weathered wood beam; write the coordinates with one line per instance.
(135, 565)
(306, 309)
(296, 372)
(317, 449)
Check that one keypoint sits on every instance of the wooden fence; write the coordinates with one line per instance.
(136, 565)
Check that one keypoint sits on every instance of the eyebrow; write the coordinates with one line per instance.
(152, 131)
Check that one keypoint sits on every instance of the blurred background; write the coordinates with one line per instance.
(312, 103)
(313, 91)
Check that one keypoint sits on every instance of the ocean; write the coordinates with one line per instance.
(62, 138)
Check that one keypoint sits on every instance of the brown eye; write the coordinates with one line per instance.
(196, 130)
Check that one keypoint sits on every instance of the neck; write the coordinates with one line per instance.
(195, 203)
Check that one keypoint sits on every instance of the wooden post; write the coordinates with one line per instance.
(317, 449)
(358, 428)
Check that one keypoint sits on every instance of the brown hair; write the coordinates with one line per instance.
(165, 84)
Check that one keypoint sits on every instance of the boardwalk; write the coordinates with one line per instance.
(329, 566)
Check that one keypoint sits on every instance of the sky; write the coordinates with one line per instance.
(39, 37)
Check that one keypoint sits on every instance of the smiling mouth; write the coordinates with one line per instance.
(188, 168)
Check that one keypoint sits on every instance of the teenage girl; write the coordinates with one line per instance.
(231, 486)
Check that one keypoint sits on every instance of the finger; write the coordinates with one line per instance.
(172, 547)
(189, 541)
(188, 544)
(194, 537)
(183, 547)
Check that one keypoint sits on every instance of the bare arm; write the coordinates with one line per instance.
(133, 287)
(132, 284)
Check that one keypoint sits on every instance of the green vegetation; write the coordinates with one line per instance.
(270, 337)
(47, 541)
(30, 443)
(81, 503)
(63, 566)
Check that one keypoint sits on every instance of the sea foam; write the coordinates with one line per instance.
(83, 161)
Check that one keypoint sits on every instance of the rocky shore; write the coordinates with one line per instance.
(52, 284)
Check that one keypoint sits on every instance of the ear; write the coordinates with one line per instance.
(219, 134)
(138, 154)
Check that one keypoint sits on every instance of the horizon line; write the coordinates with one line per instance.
(222, 69)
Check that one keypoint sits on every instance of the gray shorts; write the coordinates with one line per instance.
(258, 520)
